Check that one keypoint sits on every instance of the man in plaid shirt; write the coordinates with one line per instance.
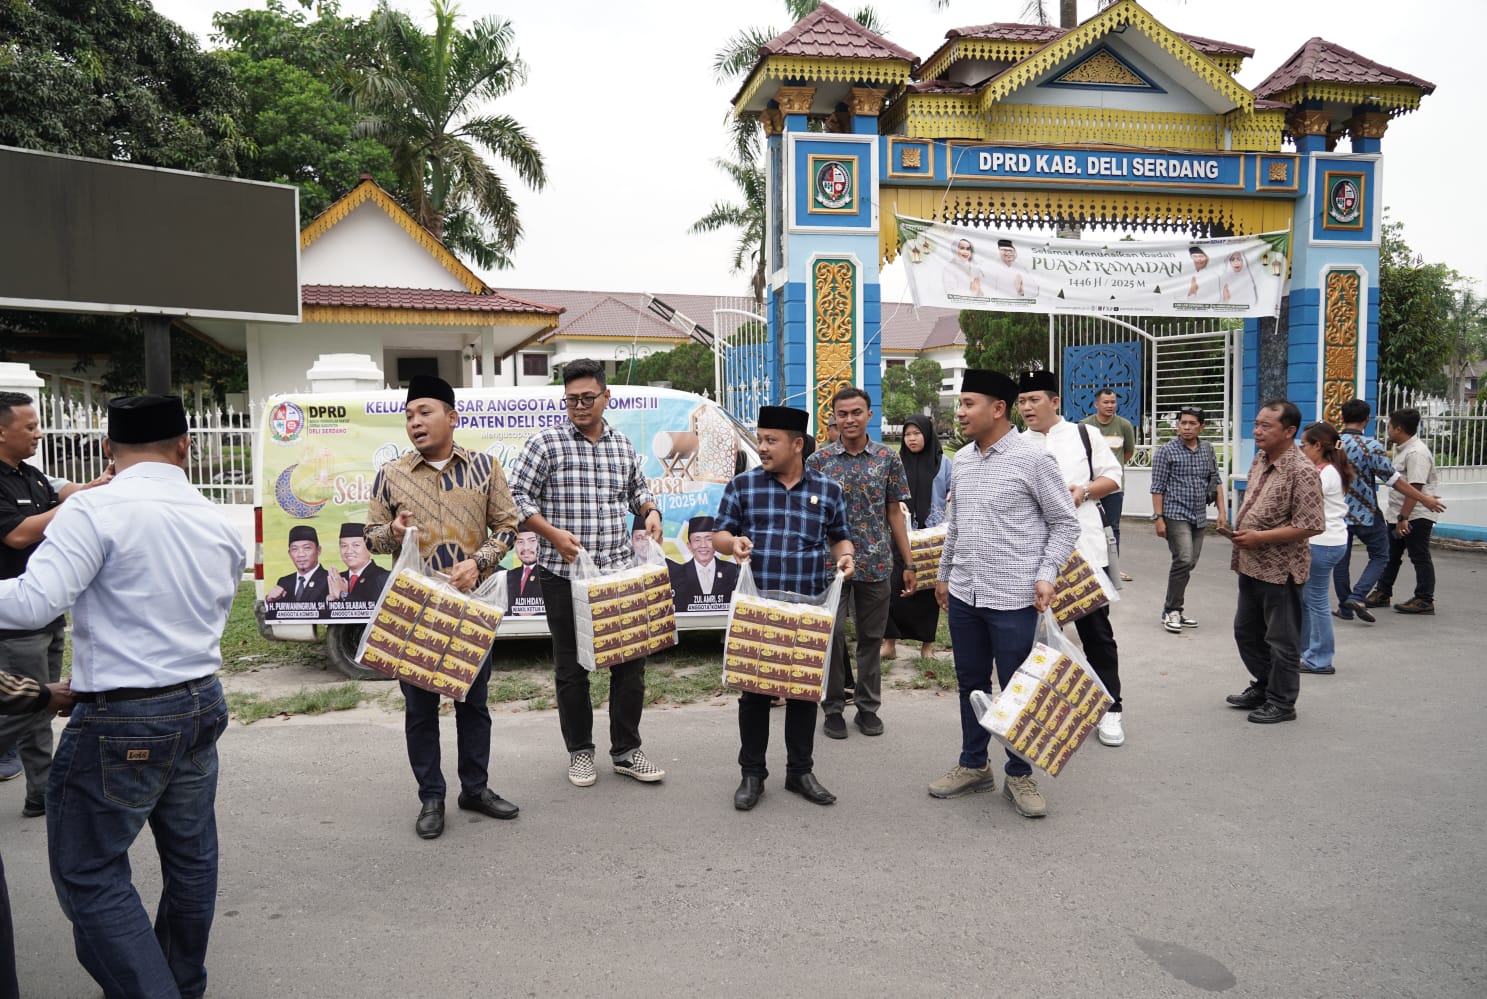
(1183, 472)
(576, 485)
(782, 516)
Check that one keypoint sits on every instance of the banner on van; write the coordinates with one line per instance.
(321, 454)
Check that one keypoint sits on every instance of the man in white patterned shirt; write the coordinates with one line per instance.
(576, 486)
(1010, 529)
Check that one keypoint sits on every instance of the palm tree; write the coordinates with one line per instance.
(424, 97)
(747, 217)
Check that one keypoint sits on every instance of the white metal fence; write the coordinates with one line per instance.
(1457, 437)
(221, 462)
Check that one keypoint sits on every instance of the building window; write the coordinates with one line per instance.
(897, 363)
(534, 365)
(480, 365)
(410, 367)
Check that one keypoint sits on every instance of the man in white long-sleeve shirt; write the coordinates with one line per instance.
(149, 568)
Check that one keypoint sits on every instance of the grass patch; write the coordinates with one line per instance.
(244, 649)
(249, 708)
(924, 674)
(516, 687)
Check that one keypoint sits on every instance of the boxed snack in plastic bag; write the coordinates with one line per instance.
(1081, 589)
(926, 546)
(1049, 706)
(623, 615)
(426, 632)
(779, 643)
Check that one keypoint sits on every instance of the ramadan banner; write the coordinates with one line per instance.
(961, 268)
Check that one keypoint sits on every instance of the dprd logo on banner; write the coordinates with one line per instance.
(1344, 193)
(834, 184)
(286, 423)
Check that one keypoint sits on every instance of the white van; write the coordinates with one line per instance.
(318, 456)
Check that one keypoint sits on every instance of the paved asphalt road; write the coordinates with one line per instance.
(1340, 855)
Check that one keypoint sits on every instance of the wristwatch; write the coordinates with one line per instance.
(1086, 493)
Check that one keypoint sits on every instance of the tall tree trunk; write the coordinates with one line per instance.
(1068, 13)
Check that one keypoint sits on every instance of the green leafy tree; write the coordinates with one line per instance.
(747, 216)
(333, 49)
(1005, 341)
(1415, 305)
(426, 96)
(688, 367)
(911, 388)
(303, 134)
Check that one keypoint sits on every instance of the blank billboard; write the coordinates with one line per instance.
(87, 235)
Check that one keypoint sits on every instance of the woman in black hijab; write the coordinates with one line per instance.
(917, 618)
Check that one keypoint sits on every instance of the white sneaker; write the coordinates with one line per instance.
(1110, 731)
(581, 771)
(1187, 622)
(1172, 621)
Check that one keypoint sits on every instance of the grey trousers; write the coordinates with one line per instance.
(870, 614)
(1185, 542)
(40, 658)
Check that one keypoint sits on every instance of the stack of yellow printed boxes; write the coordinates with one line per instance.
(430, 636)
(926, 547)
(1047, 709)
(777, 648)
(1077, 592)
(623, 615)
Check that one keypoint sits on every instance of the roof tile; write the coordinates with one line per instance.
(377, 297)
(1010, 31)
(1320, 61)
(827, 33)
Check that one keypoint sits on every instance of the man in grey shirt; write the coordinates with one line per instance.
(1010, 529)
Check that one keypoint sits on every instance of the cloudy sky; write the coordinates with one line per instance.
(623, 103)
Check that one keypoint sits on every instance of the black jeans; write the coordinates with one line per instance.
(753, 735)
(472, 724)
(1417, 543)
(8, 987)
(575, 710)
(1098, 639)
(1267, 630)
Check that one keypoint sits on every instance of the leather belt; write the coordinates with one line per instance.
(134, 693)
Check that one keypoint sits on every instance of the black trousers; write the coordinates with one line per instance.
(1267, 630)
(575, 710)
(1098, 639)
(753, 735)
(472, 722)
(1417, 545)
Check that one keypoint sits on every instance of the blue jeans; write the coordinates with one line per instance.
(1375, 538)
(118, 766)
(1317, 646)
(980, 637)
(1113, 505)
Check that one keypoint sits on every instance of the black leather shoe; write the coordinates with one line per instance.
(1360, 611)
(835, 727)
(809, 788)
(750, 790)
(430, 824)
(1270, 713)
(1249, 698)
(1318, 670)
(490, 803)
(33, 807)
(869, 723)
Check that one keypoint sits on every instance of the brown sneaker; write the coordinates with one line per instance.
(1416, 605)
(1378, 599)
(1025, 797)
(960, 780)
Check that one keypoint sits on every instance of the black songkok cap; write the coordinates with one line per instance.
(303, 532)
(783, 418)
(430, 387)
(992, 383)
(145, 419)
(700, 524)
(1005, 244)
(1038, 381)
(354, 531)
(1195, 248)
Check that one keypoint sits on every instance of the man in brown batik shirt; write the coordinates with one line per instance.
(1282, 508)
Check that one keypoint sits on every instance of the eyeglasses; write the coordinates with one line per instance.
(585, 401)
(1191, 411)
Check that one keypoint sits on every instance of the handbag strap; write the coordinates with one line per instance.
(1089, 459)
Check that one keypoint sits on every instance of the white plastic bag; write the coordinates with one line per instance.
(427, 633)
(1049, 706)
(624, 615)
(779, 643)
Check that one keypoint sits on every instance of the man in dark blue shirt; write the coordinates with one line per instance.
(782, 517)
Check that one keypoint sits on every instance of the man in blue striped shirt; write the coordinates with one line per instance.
(1011, 527)
(782, 516)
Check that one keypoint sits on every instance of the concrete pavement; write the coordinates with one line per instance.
(1338, 855)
